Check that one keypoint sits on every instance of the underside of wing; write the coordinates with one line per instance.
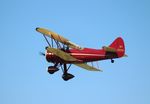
(57, 37)
(63, 55)
(87, 67)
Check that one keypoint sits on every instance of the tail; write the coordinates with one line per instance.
(118, 45)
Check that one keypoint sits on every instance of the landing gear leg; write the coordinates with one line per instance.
(66, 76)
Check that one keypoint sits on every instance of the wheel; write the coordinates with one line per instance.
(67, 76)
(112, 61)
(52, 69)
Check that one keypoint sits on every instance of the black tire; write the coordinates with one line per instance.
(67, 76)
(112, 61)
(52, 69)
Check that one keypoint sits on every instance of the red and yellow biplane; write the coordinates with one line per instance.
(63, 53)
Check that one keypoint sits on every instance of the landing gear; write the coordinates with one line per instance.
(66, 76)
(52, 69)
(112, 61)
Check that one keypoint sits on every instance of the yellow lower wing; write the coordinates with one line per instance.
(87, 67)
(67, 57)
(63, 55)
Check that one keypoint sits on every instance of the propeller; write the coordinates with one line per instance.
(42, 53)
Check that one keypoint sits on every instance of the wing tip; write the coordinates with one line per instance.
(37, 28)
(99, 70)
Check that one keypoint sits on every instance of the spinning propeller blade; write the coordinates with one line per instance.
(42, 53)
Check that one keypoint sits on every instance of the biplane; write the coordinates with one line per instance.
(62, 53)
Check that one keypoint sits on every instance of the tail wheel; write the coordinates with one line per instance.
(112, 61)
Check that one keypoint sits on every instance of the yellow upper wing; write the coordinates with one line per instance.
(87, 67)
(58, 38)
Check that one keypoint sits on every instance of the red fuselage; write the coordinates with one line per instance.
(115, 50)
(85, 55)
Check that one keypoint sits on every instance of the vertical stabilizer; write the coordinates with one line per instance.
(118, 45)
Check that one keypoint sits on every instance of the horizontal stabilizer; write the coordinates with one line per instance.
(125, 55)
(109, 49)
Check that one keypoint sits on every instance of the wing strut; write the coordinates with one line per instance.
(52, 42)
(57, 43)
(46, 40)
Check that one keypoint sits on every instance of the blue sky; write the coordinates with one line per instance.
(89, 23)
